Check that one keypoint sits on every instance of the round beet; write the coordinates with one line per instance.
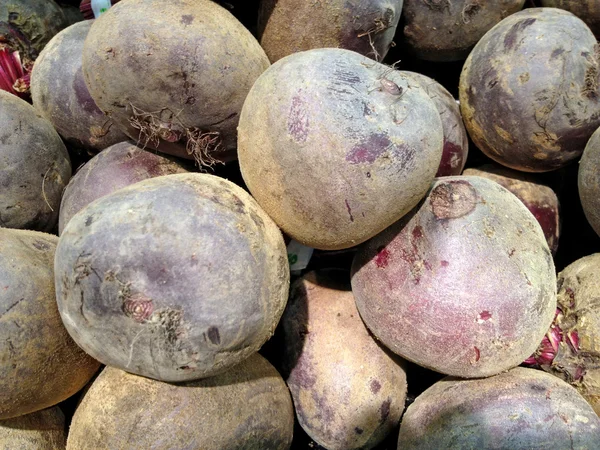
(34, 167)
(587, 10)
(348, 391)
(443, 30)
(347, 146)
(456, 141)
(589, 181)
(519, 409)
(290, 26)
(40, 365)
(464, 285)
(41, 430)
(176, 77)
(59, 93)
(539, 199)
(150, 278)
(110, 170)
(247, 407)
(531, 103)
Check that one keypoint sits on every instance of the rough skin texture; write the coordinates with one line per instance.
(348, 391)
(150, 279)
(290, 26)
(176, 77)
(342, 149)
(247, 407)
(42, 430)
(539, 199)
(116, 167)
(589, 181)
(522, 409)
(59, 93)
(587, 10)
(456, 141)
(444, 30)
(532, 103)
(34, 167)
(40, 365)
(464, 285)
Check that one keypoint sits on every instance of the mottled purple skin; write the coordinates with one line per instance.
(539, 199)
(34, 167)
(586, 10)
(348, 146)
(290, 26)
(112, 169)
(464, 285)
(588, 181)
(529, 103)
(247, 407)
(444, 30)
(149, 278)
(456, 141)
(59, 93)
(519, 409)
(179, 69)
(348, 391)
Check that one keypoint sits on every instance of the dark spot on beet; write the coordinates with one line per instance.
(349, 211)
(383, 257)
(213, 335)
(510, 40)
(41, 245)
(184, 368)
(368, 151)
(444, 263)
(512, 252)
(89, 221)
(187, 19)
(537, 387)
(375, 386)
(358, 430)
(384, 410)
(417, 232)
(485, 315)
(556, 53)
(453, 199)
(298, 123)
(347, 77)
(477, 354)
(452, 159)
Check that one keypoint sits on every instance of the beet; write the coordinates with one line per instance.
(519, 409)
(290, 26)
(59, 93)
(464, 285)
(531, 104)
(348, 146)
(586, 10)
(176, 77)
(42, 430)
(589, 181)
(149, 278)
(34, 167)
(539, 199)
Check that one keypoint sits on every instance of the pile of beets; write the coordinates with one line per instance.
(275, 224)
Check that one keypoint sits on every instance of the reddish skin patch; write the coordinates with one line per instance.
(477, 354)
(298, 123)
(375, 386)
(384, 410)
(138, 307)
(417, 232)
(547, 218)
(383, 258)
(485, 315)
(445, 263)
(451, 152)
(368, 151)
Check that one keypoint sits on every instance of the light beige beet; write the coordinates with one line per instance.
(41, 430)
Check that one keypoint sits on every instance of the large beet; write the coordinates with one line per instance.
(41, 430)
(531, 103)
(247, 407)
(40, 365)
(59, 93)
(589, 181)
(110, 170)
(343, 147)
(176, 278)
(465, 285)
(290, 26)
(522, 409)
(34, 167)
(176, 77)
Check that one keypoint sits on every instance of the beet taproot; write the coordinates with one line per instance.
(521, 409)
(344, 147)
(290, 26)
(59, 93)
(529, 103)
(586, 10)
(116, 167)
(348, 391)
(246, 407)
(40, 365)
(456, 141)
(444, 30)
(34, 167)
(588, 181)
(176, 77)
(41, 430)
(464, 285)
(539, 199)
(150, 278)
